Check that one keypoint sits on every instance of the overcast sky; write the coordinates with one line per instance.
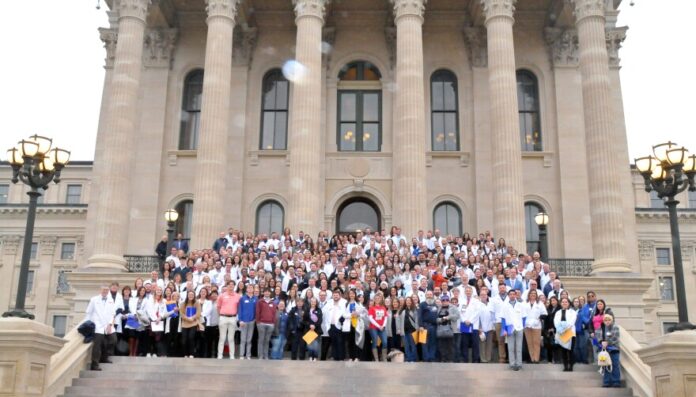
(52, 72)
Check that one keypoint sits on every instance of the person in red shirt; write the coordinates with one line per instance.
(378, 321)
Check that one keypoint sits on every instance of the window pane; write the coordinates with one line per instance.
(663, 256)
(370, 72)
(269, 94)
(30, 282)
(438, 95)
(74, 193)
(528, 104)
(183, 224)
(692, 200)
(447, 219)
(67, 251)
(666, 288)
(59, 325)
(358, 215)
(276, 224)
(4, 191)
(34, 250)
(281, 130)
(655, 201)
(531, 228)
(371, 107)
(269, 218)
(282, 95)
(348, 106)
(667, 326)
(268, 130)
(370, 137)
(348, 137)
(450, 131)
(438, 131)
(450, 95)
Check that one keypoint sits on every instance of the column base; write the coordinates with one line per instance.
(671, 358)
(18, 314)
(106, 263)
(611, 266)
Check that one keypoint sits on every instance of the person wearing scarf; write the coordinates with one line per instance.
(608, 336)
(564, 321)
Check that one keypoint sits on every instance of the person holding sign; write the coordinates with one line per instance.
(378, 321)
(564, 321)
(511, 328)
(409, 320)
(190, 311)
(312, 322)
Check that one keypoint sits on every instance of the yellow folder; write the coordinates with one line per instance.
(567, 335)
(422, 336)
(310, 336)
(354, 322)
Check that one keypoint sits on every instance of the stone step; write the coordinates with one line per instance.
(310, 389)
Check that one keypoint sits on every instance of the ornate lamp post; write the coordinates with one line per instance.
(542, 219)
(36, 165)
(170, 216)
(669, 172)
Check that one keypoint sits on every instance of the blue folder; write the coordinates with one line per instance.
(190, 311)
(132, 323)
(170, 307)
(467, 329)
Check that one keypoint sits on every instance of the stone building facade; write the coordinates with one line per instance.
(335, 115)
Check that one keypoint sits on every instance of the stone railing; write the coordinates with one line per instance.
(142, 263)
(635, 371)
(571, 267)
(67, 363)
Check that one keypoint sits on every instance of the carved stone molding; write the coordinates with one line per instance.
(47, 245)
(498, 8)
(563, 46)
(222, 8)
(328, 39)
(10, 244)
(390, 37)
(109, 37)
(408, 7)
(615, 38)
(244, 45)
(132, 8)
(588, 8)
(159, 46)
(476, 39)
(647, 250)
(310, 8)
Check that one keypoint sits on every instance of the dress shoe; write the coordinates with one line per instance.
(95, 367)
(107, 361)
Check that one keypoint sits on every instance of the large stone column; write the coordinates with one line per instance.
(508, 192)
(606, 205)
(408, 159)
(211, 164)
(306, 195)
(118, 135)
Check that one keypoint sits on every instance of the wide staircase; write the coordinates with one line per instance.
(174, 377)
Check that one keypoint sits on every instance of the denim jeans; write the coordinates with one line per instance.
(278, 346)
(613, 377)
(374, 334)
(411, 351)
(430, 348)
(580, 349)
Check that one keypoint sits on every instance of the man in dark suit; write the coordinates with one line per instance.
(180, 244)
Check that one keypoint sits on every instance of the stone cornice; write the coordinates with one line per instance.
(409, 7)
(476, 39)
(310, 8)
(244, 39)
(588, 8)
(48, 209)
(159, 46)
(133, 9)
(222, 8)
(109, 36)
(498, 8)
(563, 46)
(615, 38)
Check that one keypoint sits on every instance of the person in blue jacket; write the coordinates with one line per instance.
(246, 314)
(580, 348)
(586, 313)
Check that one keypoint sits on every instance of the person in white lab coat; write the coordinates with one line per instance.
(101, 310)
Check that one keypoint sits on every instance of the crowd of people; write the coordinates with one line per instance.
(359, 297)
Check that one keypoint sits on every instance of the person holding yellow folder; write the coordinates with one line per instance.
(409, 315)
(312, 321)
(564, 321)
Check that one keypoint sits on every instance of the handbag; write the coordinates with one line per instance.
(604, 359)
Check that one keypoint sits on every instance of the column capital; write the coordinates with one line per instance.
(310, 8)
(133, 9)
(408, 7)
(222, 8)
(476, 39)
(110, 37)
(498, 8)
(615, 37)
(159, 45)
(563, 46)
(588, 8)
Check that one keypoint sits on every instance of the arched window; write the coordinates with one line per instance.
(448, 218)
(358, 214)
(274, 118)
(359, 108)
(183, 223)
(531, 228)
(444, 110)
(269, 217)
(528, 104)
(191, 110)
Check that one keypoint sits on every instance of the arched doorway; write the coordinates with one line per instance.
(358, 214)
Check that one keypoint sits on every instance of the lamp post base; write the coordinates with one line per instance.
(683, 326)
(19, 314)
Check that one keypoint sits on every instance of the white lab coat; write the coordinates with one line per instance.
(102, 313)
